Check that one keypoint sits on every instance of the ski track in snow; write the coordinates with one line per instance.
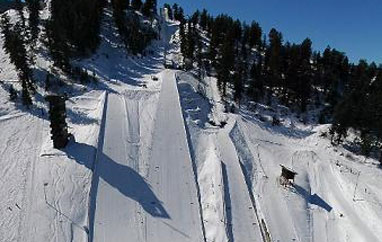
(244, 223)
(228, 211)
(161, 206)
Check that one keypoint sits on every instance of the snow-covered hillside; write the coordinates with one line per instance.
(157, 161)
(335, 197)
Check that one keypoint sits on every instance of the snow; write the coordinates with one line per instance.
(19, 152)
(146, 200)
(62, 179)
(320, 206)
(41, 182)
(228, 212)
(243, 222)
(156, 164)
(210, 178)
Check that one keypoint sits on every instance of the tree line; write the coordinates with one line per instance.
(133, 33)
(71, 31)
(251, 65)
(19, 43)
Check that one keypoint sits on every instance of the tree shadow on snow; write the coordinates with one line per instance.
(313, 198)
(194, 105)
(123, 178)
(292, 132)
(227, 199)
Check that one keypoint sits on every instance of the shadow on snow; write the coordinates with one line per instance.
(123, 178)
(227, 199)
(313, 198)
(194, 105)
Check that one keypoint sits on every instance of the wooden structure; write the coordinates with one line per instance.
(287, 175)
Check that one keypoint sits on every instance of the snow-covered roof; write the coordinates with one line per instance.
(289, 169)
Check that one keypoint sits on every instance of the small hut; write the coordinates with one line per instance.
(287, 175)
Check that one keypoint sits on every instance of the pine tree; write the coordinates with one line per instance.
(204, 19)
(257, 80)
(122, 4)
(214, 44)
(366, 143)
(58, 47)
(134, 36)
(57, 116)
(304, 74)
(169, 11)
(20, 10)
(273, 58)
(34, 19)
(255, 34)
(190, 39)
(183, 38)
(199, 57)
(26, 98)
(175, 10)
(136, 5)
(238, 83)
(14, 46)
(195, 18)
(226, 62)
(376, 103)
(77, 37)
(47, 82)
(7, 34)
(178, 13)
(149, 8)
(12, 93)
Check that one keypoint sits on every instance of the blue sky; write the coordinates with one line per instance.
(351, 26)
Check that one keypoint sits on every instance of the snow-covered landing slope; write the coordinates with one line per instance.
(146, 200)
(241, 213)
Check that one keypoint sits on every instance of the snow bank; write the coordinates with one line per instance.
(210, 180)
(326, 201)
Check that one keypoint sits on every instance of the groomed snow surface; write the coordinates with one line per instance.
(146, 200)
(155, 164)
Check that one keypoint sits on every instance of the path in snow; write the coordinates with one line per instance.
(170, 173)
(162, 206)
(241, 217)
